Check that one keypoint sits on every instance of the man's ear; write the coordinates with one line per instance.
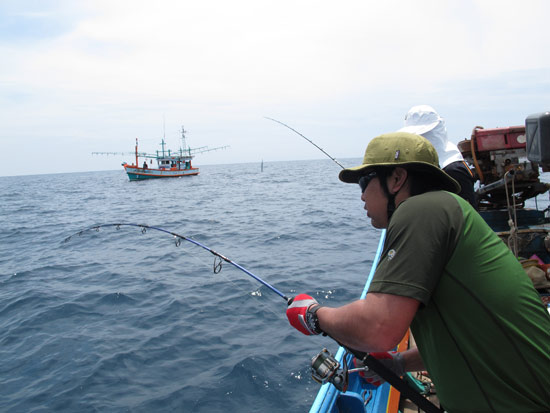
(397, 180)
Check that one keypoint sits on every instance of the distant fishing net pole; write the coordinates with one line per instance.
(309, 140)
(218, 260)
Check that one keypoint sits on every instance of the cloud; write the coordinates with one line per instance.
(106, 72)
(282, 50)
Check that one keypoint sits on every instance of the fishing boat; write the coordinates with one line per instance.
(507, 162)
(169, 164)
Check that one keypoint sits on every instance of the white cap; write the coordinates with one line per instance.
(425, 121)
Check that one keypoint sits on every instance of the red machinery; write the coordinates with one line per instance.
(506, 161)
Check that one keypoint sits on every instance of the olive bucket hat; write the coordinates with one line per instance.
(402, 149)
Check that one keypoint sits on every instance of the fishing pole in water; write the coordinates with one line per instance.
(218, 260)
(307, 139)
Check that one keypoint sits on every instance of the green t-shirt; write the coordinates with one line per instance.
(481, 329)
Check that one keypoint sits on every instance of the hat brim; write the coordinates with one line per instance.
(419, 129)
(441, 179)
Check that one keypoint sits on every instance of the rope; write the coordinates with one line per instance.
(512, 222)
(474, 157)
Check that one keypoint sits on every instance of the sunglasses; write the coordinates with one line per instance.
(364, 181)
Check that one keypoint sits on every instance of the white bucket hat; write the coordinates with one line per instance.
(425, 121)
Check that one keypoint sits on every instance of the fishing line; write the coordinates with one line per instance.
(219, 259)
(307, 139)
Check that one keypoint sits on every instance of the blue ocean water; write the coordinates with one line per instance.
(120, 320)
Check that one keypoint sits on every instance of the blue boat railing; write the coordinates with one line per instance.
(326, 397)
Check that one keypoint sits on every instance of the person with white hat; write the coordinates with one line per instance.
(479, 324)
(425, 121)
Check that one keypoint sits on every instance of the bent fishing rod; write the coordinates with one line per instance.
(217, 261)
(307, 139)
(324, 367)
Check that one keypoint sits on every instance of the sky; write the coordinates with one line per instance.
(80, 76)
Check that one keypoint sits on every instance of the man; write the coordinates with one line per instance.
(479, 324)
(425, 121)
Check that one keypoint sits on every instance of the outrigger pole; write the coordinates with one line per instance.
(178, 237)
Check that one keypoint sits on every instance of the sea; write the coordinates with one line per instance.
(121, 319)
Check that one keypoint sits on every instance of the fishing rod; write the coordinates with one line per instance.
(218, 260)
(307, 139)
(325, 368)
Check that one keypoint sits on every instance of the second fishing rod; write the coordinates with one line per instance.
(326, 369)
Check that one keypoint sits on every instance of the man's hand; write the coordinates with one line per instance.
(392, 360)
(301, 314)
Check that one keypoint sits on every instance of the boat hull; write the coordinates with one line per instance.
(140, 174)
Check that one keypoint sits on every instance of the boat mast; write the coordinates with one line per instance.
(162, 143)
(137, 165)
(183, 145)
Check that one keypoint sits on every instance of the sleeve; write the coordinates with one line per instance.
(462, 174)
(420, 240)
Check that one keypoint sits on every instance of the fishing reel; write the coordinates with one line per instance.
(326, 369)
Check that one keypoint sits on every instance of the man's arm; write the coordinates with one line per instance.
(376, 323)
